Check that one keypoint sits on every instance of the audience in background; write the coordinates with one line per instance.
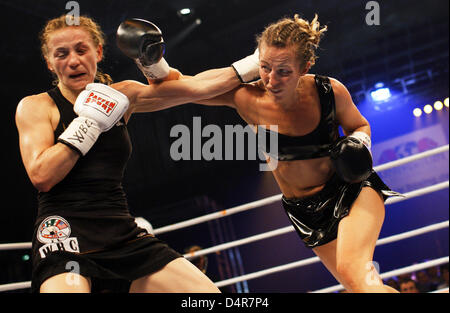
(443, 269)
(408, 286)
(424, 281)
(392, 282)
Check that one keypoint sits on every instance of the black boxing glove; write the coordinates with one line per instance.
(352, 158)
(142, 41)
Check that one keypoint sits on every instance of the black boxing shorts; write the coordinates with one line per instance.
(110, 248)
(110, 270)
(316, 218)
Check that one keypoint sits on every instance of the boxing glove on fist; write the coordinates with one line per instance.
(247, 69)
(142, 41)
(99, 108)
(352, 158)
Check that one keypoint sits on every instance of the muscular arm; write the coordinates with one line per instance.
(46, 163)
(166, 94)
(347, 113)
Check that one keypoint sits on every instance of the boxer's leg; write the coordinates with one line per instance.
(178, 276)
(349, 257)
(66, 283)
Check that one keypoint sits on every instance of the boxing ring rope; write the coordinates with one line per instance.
(291, 228)
(15, 286)
(316, 259)
(266, 201)
(400, 271)
(275, 198)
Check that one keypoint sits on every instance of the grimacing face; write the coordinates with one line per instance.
(73, 57)
(280, 70)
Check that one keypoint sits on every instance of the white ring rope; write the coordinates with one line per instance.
(216, 215)
(316, 259)
(441, 290)
(266, 201)
(275, 198)
(408, 195)
(400, 271)
(411, 158)
(15, 246)
(15, 286)
(291, 228)
(418, 192)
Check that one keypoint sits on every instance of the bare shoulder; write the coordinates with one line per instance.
(255, 88)
(246, 95)
(338, 87)
(35, 102)
(34, 106)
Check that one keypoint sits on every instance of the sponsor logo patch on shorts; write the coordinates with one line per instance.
(54, 232)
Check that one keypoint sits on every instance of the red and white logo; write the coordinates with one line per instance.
(53, 229)
(54, 233)
(101, 102)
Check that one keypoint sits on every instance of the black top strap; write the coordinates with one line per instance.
(66, 113)
(328, 104)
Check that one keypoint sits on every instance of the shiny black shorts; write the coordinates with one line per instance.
(316, 218)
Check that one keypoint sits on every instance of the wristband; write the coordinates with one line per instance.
(158, 70)
(80, 135)
(363, 137)
(247, 69)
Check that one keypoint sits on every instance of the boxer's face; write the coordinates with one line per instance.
(279, 70)
(73, 57)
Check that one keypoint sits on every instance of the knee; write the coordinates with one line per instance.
(347, 273)
(357, 276)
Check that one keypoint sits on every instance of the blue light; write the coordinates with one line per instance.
(381, 93)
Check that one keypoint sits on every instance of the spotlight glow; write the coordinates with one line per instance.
(185, 11)
(428, 109)
(380, 94)
(446, 102)
(438, 105)
(417, 112)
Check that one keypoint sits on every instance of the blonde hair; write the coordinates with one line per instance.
(88, 24)
(304, 36)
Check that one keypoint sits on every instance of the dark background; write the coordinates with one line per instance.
(410, 43)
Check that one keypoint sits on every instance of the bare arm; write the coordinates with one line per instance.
(347, 113)
(46, 163)
(166, 94)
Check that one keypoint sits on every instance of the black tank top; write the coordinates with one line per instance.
(315, 144)
(96, 178)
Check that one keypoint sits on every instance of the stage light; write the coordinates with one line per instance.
(446, 102)
(417, 112)
(185, 11)
(428, 109)
(438, 105)
(380, 93)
